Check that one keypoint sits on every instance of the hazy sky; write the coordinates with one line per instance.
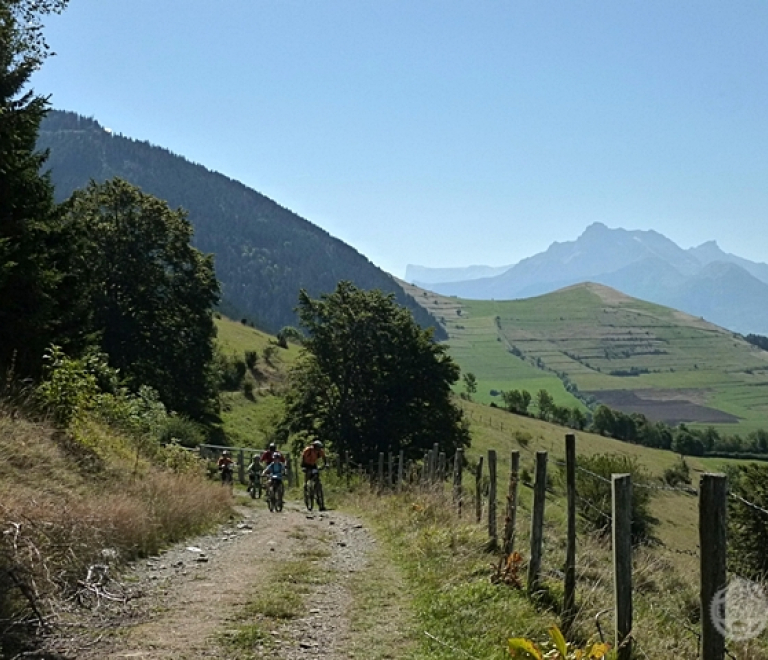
(446, 133)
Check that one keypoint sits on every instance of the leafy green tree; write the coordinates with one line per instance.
(470, 383)
(604, 421)
(148, 292)
(560, 415)
(686, 443)
(517, 401)
(370, 379)
(748, 526)
(710, 437)
(545, 403)
(578, 420)
(29, 243)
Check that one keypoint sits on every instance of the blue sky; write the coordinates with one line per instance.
(446, 133)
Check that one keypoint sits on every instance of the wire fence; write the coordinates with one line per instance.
(690, 626)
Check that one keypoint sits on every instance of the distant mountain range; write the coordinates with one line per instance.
(264, 253)
(723, 288)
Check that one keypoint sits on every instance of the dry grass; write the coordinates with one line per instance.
(68, 504)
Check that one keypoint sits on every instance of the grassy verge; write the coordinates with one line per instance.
(381, 615)
(459, 611)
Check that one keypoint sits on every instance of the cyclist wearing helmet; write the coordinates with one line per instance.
(225, 465)
(254, 467)
(266, 457)
(276, 468)
(309, 457)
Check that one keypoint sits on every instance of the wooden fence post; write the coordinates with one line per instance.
(511, 517)
(493, 536)
(288, 469)
(400, 469)
(381, 472)
(537, 521)
(713, 500)
(433, 463)
(622, 563)
(479, 490)
(241, 466)
(458, 467)
(390, 470)
(441, 467)
(569, 593)
(425, 469)
(347, 468)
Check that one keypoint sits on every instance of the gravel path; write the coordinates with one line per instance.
(182, 602)
(324, 631)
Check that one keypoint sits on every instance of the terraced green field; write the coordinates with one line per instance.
(627, 353)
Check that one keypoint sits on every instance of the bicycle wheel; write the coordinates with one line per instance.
(252, 489)
(279, 498)
(270, 498)
(319, 497)
(309, 499)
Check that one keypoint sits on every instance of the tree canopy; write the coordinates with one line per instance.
(28, 232)
(370, 379)
(146, 294)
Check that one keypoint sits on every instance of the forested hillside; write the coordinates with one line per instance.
(264, 253)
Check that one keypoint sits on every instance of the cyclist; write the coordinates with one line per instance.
(225, 465)
(253, 472)
(275, 471)
(309, 458)
(266, 457)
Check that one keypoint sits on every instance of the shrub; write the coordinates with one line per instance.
(595, 496)
(248, 389)
(680, 473)
(69, 387)
(269, 353)
(748, 532)
(523, 438)
(181, 430)
(231, 372)
(251, 358)
(525, 476)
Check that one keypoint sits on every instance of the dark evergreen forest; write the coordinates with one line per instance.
(264, 253)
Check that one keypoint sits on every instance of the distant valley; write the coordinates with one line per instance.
(704, 281)
(588, 344)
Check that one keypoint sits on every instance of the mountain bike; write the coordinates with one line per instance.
(313, 490)
(274, 494)
(254, 487)
(227, 478)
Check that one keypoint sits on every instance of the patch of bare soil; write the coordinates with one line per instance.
(669, 406)
(180, 604)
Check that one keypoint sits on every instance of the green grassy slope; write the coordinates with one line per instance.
(248, 422)
(605, 343)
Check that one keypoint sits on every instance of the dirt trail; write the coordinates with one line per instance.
(189, 599)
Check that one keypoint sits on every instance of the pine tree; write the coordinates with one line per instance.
(28, 240)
